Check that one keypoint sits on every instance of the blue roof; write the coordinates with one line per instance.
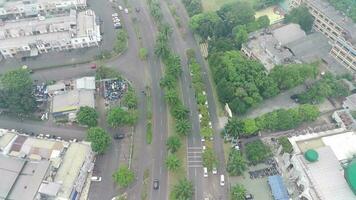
(278, 188)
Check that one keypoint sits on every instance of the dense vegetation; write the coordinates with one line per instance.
(277, 120)
(87, 116)
(286, 145)
(301, 16)
(243, 83)
(123, 176)
(237, 192)
(193, 7)
(257, 152)
(236, 163)
(346, 6)
(119, 116)
(16, 92)
(327, 87)
(99, 139)
(183, 190)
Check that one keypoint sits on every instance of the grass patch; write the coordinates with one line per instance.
(149, 133)
(121, 41)
(146, 180)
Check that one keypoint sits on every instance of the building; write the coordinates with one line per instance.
(279, 190)
(66, 105)
(320, 164)
(350, 102)
(32, 36)
(16, 9)
(43, 168)
(339, 29)
(20, 179)
(267, 46)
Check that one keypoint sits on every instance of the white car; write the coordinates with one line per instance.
(116, 20)
(115, 15)
(205, 172)
(126, 10)
(120, 7)
(95, 178)
(202, 139)
(204, 147)
(215, 170)
(222, 180)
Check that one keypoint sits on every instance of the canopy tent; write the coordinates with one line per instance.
(311, 155)
(350, 175)
(279, 190)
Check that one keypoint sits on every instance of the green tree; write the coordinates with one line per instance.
(237, 192)
(171, 96)
(173, 143)
(286, 145)
(241, 35)
(236, 164)
(121, 41)
(263, 21)
(16, 91)
(301, 16)
(257, 152)
(193, 6)
(117, 116)
(204, 24)
(130, 99)
(124, 176)
(180, 112)
(234, 127)
(206, 132)
(103, 72)
(182, 127)
(249, 126)
(172, 162)
(209, 159)
(87, 116)
(99, 139)
(143, 53)
(183, 190)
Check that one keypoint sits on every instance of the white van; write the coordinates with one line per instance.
(205, 172)
(222, 180)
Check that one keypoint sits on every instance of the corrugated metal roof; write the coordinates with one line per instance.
(278, 188)
(350, 174)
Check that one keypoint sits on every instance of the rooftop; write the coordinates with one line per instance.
(288, 33)
(72, 100)
(327, 176)
(345, 22)
(278, 188)
(21, 179)
(87, 82)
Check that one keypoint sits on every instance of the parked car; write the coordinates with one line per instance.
(115, 15)
(222, 180)
(205, 172)
(248, 197)
(156, 184)
(95, 178)
(120, 7)
(119, 136)
(117, 25)
(126, 10)
(215, 170)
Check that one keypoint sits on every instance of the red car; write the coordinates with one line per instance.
(93, 66)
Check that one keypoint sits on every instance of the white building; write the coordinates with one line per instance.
(14, 9)
(33, 36)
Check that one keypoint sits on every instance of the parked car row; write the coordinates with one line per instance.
(116, 21)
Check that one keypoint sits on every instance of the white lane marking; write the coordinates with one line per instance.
(195, 172)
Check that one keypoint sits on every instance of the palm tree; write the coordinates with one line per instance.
(161, 49)
(171, 96)
(180, 111)
(233, 127)
(165, 30)
(183, 190)
(238, 192)
(236, 164)
(173, 163)
(183, 127)
(173, 143)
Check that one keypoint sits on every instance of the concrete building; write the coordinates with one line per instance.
(16, 9)
(338, 28)
(33, 36)
(268, 46)
(324, 177)
(43, 168)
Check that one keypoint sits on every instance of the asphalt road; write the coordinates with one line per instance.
(210, 187)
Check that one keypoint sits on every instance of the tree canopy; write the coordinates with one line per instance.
(117, 116)
(87, 116)
(301, 16)
(99, 139)
(193, 6)
(173, 143)
(257, 152)
(209, 158)
(237, 192)
(183, 190)
(236, 164)
(16, 91)
(172, 162)
(124, 176)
